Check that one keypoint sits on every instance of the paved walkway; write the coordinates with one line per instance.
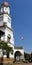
(23, 64)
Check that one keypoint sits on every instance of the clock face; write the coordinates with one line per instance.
(5, 9)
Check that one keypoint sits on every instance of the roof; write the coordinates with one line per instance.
(7, 27)
(18, 47)
(5, 13)
(5, 4)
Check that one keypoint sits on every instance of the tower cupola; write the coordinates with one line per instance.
(5, 18)
(5, 8)
(5, 4)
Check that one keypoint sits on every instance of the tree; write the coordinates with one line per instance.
(31, 56)
(4, 46)
(26, 56)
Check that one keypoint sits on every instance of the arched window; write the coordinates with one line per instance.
(8, 37)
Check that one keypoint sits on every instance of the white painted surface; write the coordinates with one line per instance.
(20, 50)
(11, 56)
(7, 20)
(5, 9)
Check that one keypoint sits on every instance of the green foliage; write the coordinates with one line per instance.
(4, 46)
(31, 57)
(31, 54)
(26, 55)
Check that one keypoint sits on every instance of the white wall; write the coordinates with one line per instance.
(7, 31)
(21, 51)
(7, 20)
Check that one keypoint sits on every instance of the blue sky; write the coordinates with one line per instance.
(21, 12)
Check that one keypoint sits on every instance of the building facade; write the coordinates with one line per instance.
(6, 31)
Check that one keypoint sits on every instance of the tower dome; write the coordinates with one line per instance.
(5, 4)
(5, 8)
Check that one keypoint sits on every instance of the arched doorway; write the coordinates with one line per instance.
(17, 56)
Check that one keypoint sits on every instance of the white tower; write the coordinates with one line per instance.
(6, 31)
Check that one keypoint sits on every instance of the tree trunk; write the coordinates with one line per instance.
(7, 55)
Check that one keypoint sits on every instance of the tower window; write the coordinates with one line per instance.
(8, 38)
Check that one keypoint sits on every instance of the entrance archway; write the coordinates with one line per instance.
(17, 56)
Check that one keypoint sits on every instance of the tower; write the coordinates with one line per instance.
(6, 31)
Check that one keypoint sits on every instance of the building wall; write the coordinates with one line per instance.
(4, 18)
(6, 32)
(7, 20)
(21, 51)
